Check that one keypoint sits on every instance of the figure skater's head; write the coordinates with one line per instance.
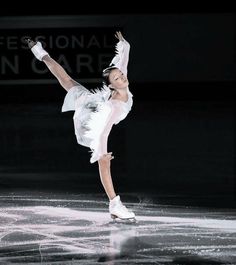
(114, 78)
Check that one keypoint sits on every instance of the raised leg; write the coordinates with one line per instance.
(55, 68)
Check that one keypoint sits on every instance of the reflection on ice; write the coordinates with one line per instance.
(54, 231)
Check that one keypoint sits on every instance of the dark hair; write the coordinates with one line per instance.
(105, 74)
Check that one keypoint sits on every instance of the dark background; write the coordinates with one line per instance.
(178, 138)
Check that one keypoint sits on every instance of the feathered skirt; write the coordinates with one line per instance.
(92, 110)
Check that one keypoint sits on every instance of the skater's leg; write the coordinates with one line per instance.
(55, 68)
(116, 207)
(105, 175)
(58, 71)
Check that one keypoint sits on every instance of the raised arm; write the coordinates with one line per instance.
(121, 58)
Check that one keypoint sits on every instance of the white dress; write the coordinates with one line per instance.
(96, 112)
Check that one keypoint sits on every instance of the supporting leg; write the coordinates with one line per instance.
(105, 175)
(116, 207)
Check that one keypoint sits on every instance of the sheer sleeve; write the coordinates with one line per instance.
(121, 58)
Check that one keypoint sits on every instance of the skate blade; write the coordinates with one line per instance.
(116, 219)
(27, 40)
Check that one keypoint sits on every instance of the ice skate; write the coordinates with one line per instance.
(119, 212)
(36, 48)
(30, 42)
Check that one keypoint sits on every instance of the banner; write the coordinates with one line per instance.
(82, 52)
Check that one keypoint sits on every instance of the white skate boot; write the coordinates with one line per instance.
(37, 49)
(118, 210)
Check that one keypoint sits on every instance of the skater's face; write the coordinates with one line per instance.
(117, 79)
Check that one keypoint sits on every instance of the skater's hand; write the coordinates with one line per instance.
(108, 156)
(119, 36)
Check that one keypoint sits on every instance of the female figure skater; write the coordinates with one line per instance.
(96, 112)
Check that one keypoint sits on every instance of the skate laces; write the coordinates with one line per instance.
(119, 205)
(123, 207)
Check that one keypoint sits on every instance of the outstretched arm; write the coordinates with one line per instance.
(122, 53)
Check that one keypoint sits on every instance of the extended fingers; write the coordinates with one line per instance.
(109, 155)
(118, 35)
